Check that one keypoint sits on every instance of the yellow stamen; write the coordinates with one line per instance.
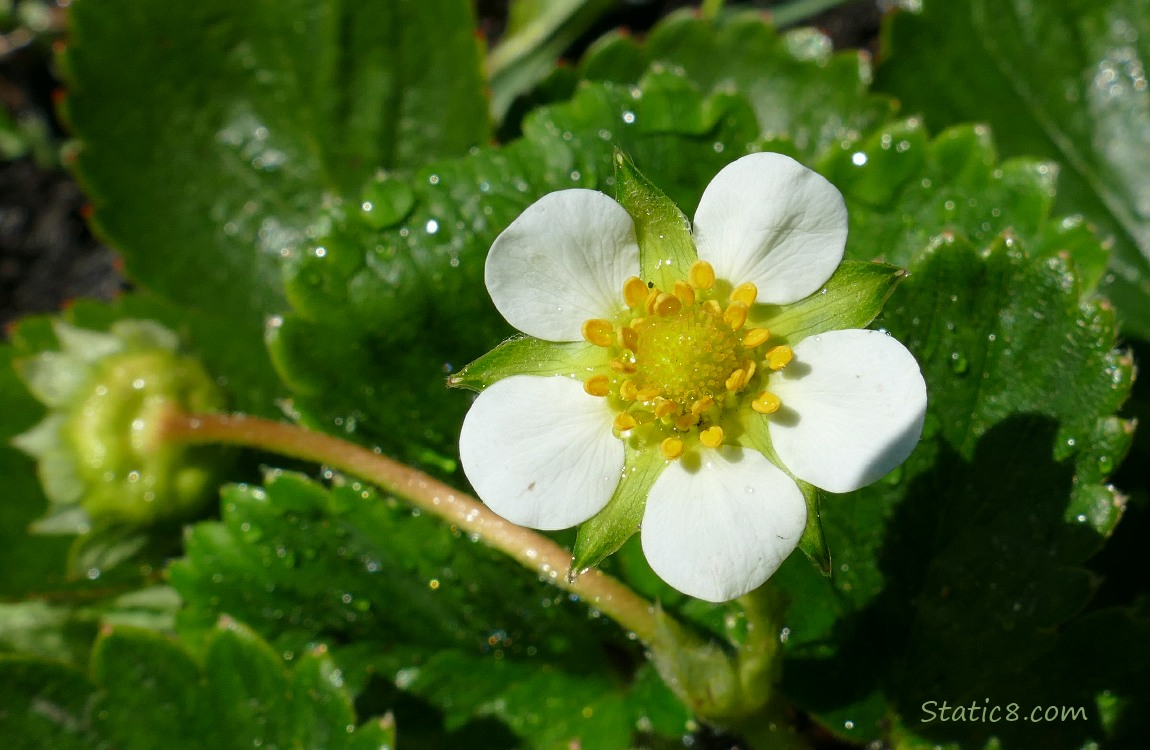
(745, 293)
(735, 315)
(597, 385)
(597, 331)
(712, 437)
(737, 380)
(652, 296)
(749, 366)
(667, 304)
(686, 422)
(756, 337)
(628, 391)
(666, 409)
(766, 403)
(713, 307)
(700, 406)
(625, 422)
(701, 275)
(672, 448)
(779, 357)
(622, 365)
(634, 291)
(628, 338)
(684, 292)
(647, 394)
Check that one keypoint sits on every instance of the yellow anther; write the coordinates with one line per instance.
(625, 422)
(667, 304)
(628, 338)
(597, 385)
(756, 337)
(737, 380)
(713, 307)
(749, 366)
(672, 448)
(642, 416)
(745, 293)
(666, 409)
(622, 365)
(700, 406)
(685, 292)
(647, 394)
(735, 315)
(766, 403)
(712, 437)
(628, 391)
(652, 296)
(598, 331)
(686, 422)
(634, 291)
(779, 357)
(701, 275)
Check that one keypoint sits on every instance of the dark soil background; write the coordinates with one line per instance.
(48, 255)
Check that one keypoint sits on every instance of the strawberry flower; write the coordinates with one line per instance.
(671, 396)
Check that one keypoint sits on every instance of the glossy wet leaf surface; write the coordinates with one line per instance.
(1063, 80)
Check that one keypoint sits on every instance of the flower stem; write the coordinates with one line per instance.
(535, 551)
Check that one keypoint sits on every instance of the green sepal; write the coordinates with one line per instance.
(851, 298)
(530, 356)
(606, 532)
(666, 249)
(813, 542)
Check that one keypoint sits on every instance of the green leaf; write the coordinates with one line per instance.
(1061, 81)
(397, 594)
(528, 356)
(257, 118)
(666, 248)
(798, 89)
(606, 531)
(144, 686)
(851, 298)
(552, 710)
(953, 574)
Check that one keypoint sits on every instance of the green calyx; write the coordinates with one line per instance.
(101, 458)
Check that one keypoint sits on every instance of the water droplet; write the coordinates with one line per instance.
(385, 202)
(958, 363)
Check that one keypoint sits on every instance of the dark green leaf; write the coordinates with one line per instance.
(402, 595)
(799, 90)
(1061, 80)
(257, 118)
(953, 574)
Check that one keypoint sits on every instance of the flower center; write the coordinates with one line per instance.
(685, 356)
(682, 362)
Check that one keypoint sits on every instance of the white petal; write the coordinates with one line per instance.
(768, 219)
(564, 260)
(539, 451)
(719, 523)
(853, 405)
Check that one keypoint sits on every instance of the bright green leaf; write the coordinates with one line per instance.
(666, 248)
